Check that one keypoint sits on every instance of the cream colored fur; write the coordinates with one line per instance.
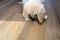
(34, 7)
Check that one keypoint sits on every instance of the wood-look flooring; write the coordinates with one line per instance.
(13, 26)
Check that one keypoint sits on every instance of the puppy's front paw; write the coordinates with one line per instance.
(45, 17)
(27, 19)
(41, 20)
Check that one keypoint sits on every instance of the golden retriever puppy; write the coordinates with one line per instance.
(32, 8)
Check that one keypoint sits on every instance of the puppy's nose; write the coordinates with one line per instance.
(33, 17)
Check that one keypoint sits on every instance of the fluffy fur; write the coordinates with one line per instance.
(32, 8)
